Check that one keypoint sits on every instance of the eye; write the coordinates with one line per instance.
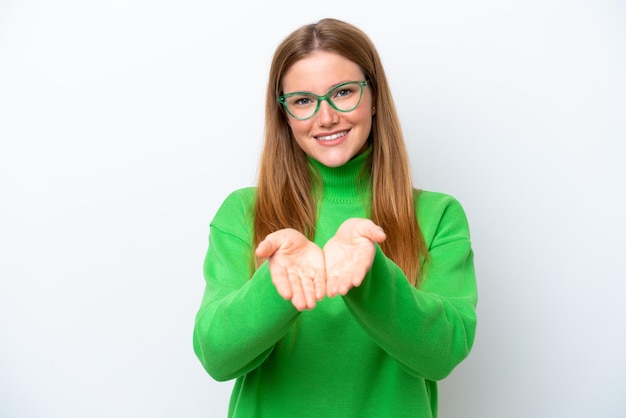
(301, 100)
(343, 91)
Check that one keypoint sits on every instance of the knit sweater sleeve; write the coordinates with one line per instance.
(240, 318)
(430, 329)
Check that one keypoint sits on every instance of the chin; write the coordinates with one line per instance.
(336, 157)
(334, 161)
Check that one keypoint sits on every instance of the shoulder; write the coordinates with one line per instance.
(430, 202)
(243, 196)
(438, 212)
(236, 208)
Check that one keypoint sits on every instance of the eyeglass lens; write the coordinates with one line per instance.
(344, 98)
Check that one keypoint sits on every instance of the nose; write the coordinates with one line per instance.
(326, 115)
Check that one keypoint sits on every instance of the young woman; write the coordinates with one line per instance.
(334, 288)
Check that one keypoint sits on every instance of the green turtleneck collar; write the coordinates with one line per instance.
(346, 182)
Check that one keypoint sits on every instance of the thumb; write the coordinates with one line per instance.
(267, 247)
(373, 232)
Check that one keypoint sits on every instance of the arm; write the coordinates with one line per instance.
(429, 330)
(240, 318)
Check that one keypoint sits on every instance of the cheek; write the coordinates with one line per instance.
(366, 109)
(299, 128)
(364, 116)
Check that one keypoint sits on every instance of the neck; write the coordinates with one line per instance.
(347, 182)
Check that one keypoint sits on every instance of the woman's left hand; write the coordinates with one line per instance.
(349, 254)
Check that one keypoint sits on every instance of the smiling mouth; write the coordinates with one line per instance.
(331, 137)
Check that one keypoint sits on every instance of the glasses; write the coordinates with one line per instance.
(344, 97)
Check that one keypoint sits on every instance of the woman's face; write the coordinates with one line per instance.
(330, 137)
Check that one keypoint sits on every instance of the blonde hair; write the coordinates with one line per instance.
(284, 192)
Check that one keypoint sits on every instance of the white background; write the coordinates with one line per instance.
(124, 124)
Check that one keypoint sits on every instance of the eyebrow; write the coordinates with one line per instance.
(329, 89)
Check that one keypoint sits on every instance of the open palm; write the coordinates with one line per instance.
(296, 265)
(349, 254)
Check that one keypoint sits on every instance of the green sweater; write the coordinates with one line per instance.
(375, 352)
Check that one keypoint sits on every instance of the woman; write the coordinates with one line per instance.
(334, 288)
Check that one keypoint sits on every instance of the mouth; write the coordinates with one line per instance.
(331, 137)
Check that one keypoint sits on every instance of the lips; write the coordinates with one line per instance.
(331, 137)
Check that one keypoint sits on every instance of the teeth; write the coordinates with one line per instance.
(331, 137)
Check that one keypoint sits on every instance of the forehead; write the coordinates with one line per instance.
(319, 71)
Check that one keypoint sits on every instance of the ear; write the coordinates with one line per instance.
(373, 110)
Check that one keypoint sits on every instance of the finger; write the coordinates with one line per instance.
(357, 278)
(319, 281)
(331, 272)
(281, 281)
(343, 286)
(308, 288)
(332, 286)
(298, 298)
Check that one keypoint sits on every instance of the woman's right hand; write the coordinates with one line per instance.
(296, 265)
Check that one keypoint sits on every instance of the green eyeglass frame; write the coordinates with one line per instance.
(283, 99)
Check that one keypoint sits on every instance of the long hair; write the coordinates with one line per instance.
(284, 192)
